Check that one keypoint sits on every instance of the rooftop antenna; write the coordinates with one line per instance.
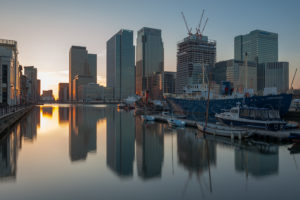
(189, 30)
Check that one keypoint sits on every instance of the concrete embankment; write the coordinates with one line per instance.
(10, 119)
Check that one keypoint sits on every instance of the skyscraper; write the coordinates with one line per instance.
(194, 53)
(82, 64)
(261, 46)
(120, 69)
(149, 62)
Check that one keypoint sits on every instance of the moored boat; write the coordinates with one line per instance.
(176, 122)
(148, 118)
(252, 117)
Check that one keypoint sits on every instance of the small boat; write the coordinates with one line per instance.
(176, 122)
(252, 117)
(148, 118)
(224, 131)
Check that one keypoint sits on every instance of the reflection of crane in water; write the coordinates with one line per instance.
(196, 155)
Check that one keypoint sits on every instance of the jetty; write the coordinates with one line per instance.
(234, 132)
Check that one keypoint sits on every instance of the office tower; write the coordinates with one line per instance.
(194, 53)
(236, 72)
(31, 77)
(38, 89)
(169, 82)
(81, 64)
(273, 74)
(120, 69)
(149, 62)
(9, 73)
(261, 46)
(63, 92)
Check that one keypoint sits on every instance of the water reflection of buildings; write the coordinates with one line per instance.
(47, 111)
(83, 131)
(120, 142)
(149, 148)
(258, 160)
(63, 115)
(30, 123)
(195, 154)
(9, 147)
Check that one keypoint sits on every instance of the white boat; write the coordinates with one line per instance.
(221, 130)
(176, 122)
(252, 117)
(148, 118)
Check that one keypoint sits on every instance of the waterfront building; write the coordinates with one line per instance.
(273, 74)
(47, 95)
(194, 54)
(94, 91)
(261, 46)
(9, 73)
(120, 68)
(242, 75)
(63, 92)
(149, 62)
(81, 64)
(236, 72)
(32, 84)
(169, 82)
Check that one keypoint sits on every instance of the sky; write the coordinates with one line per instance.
(46, 29)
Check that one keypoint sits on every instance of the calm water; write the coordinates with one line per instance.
(96, 152)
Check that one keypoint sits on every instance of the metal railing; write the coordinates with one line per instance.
(6, 110)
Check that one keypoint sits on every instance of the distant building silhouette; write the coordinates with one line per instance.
(82, 65)
(63, 92)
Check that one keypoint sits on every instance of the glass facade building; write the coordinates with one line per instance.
(149, 62)
(261, 46)
(120, 69)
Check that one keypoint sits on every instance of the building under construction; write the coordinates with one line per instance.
(194, 54)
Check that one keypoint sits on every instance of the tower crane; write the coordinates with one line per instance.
(198, 31)
(293, 79)
(189, 30)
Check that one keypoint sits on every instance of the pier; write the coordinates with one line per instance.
(283, 135)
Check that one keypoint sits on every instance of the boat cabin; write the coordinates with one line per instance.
(257, 113)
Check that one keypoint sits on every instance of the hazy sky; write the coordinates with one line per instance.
(46, 29)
